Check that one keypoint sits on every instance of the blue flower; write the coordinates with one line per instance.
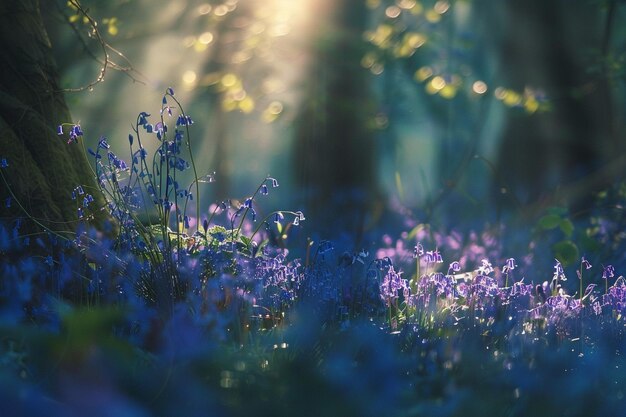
(4, 163)
(418, 251)
(608, 272)
(143, 118)
(485, 267)
(433, 257)
(509, 265)
(273, 181)
(102, 143)
(454, 267)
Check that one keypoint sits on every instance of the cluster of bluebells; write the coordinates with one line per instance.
(74, 133)
(485, 292)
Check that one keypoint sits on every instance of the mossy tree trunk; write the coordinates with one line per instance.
(42, 168)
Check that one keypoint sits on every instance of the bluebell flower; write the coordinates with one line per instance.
(4, 163)
(559, 274)
(273, 181)
(264, 190)
(75, 132)
(7, 202)
(59, 130)
(454, 267)
(509, 265)
(608, 272)
(278, 216)
(143, 118)
(170, 91)
(584, 262)
(485, 267)
(434, 257)
(248, 203)
(102, 143)
(418, 251)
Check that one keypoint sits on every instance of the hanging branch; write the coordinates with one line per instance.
(105, 61)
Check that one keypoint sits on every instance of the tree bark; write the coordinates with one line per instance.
(42, 168)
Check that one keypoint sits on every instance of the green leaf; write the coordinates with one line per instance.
(549, 221)
(566, 252)
(567, 227)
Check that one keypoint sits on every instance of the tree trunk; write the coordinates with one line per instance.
(42, 168)
(548, 155)
(333, 158)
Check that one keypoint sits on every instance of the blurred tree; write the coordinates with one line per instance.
(43, 170)
(549, 47)
(334, 155)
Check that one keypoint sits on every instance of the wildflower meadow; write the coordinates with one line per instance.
(163, 296)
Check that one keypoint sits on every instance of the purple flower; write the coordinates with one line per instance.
(608, 272)
(418, 251)
(434, 257)
(264, 190)
(485, 267)
(299, 217)
(559, 274)
(391, 284)
(584, 262)
(454, 267)
(60, 130)
(597, 308)
(102, 143)
(278, 216)
(509, 265)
